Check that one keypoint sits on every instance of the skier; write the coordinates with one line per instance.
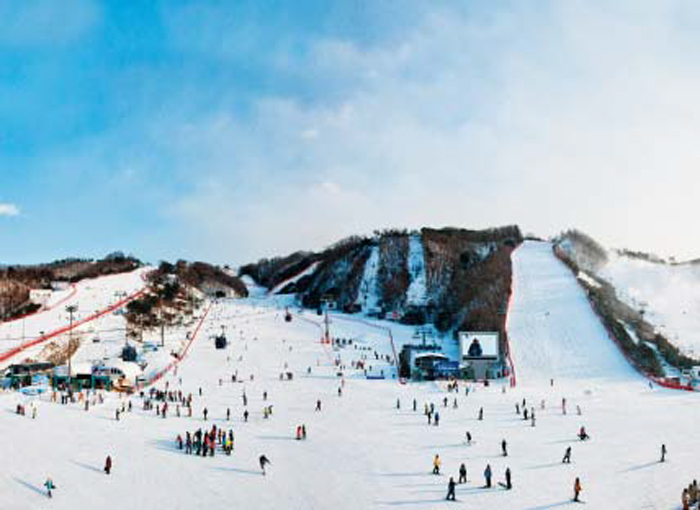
(462, 473)
(108, 464)
(509, 484)
(481, 413)
(663, 453)
(49, 486)
(437, 419)
(228, 414)
(205, 412)
(487, 476)
(577, 489)
(567, 456)
(245, 415)
(318, 405)
(504, 448)
(451, 490)
(468, 435)
(414, 404)
(264, 461)
(398, 404)
(436, 465)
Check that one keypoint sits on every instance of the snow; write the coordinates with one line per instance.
(90, 296)
(417, 293)
(552, 328)
(669, 295)
(368, 295)
(361, 451)
(309, 270)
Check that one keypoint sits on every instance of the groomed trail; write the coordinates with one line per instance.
(553, 331)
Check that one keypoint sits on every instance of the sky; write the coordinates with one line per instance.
(230, 131)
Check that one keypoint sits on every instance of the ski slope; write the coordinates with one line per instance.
(417, 293)
(362, 452)
(368, 296)
(668, 294)
(552, 328)
(90, 297)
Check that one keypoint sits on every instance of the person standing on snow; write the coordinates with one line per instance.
(49, 486)
(487, 476)
(504, 448)
(436, 465)
(509, 484)
(663, 453)
(481, 413)
(263, 462)
(451, 490)
(108, 464)
(577, 489)
(462, 474)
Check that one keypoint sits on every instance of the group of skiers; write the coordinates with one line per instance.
(204, 443)
(691, 496)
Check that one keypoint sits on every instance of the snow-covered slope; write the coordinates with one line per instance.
(553, 331)
(368, 296)
(90, 297)
(668, 294)
(416, 295)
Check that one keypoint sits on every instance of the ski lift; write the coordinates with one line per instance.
(220, 341)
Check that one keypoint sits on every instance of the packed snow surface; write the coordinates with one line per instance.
(668, 294)
(362, 451)
(552, 328)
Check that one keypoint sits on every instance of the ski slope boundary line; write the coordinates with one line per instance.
(119, 304)
(513, 378)
(184, 352)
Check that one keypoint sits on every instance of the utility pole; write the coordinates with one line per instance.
(71, 310)
(325, 301)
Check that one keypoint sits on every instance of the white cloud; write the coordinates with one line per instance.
(9, 210)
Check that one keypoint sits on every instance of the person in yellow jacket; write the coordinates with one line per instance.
(436, 465)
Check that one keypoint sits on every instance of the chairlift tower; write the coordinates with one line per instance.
(326, 302)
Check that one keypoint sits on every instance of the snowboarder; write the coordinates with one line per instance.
(263, 462)
(567, 456)
(451, 490)
(577, 489)
(462, 473)
(663, 453)
(49, 486)
(582, 434)
(487, 476)
(108, 464)
(436, 465)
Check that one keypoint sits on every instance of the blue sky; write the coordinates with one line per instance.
(228, 131)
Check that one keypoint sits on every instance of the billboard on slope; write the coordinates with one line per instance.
(474, 345)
